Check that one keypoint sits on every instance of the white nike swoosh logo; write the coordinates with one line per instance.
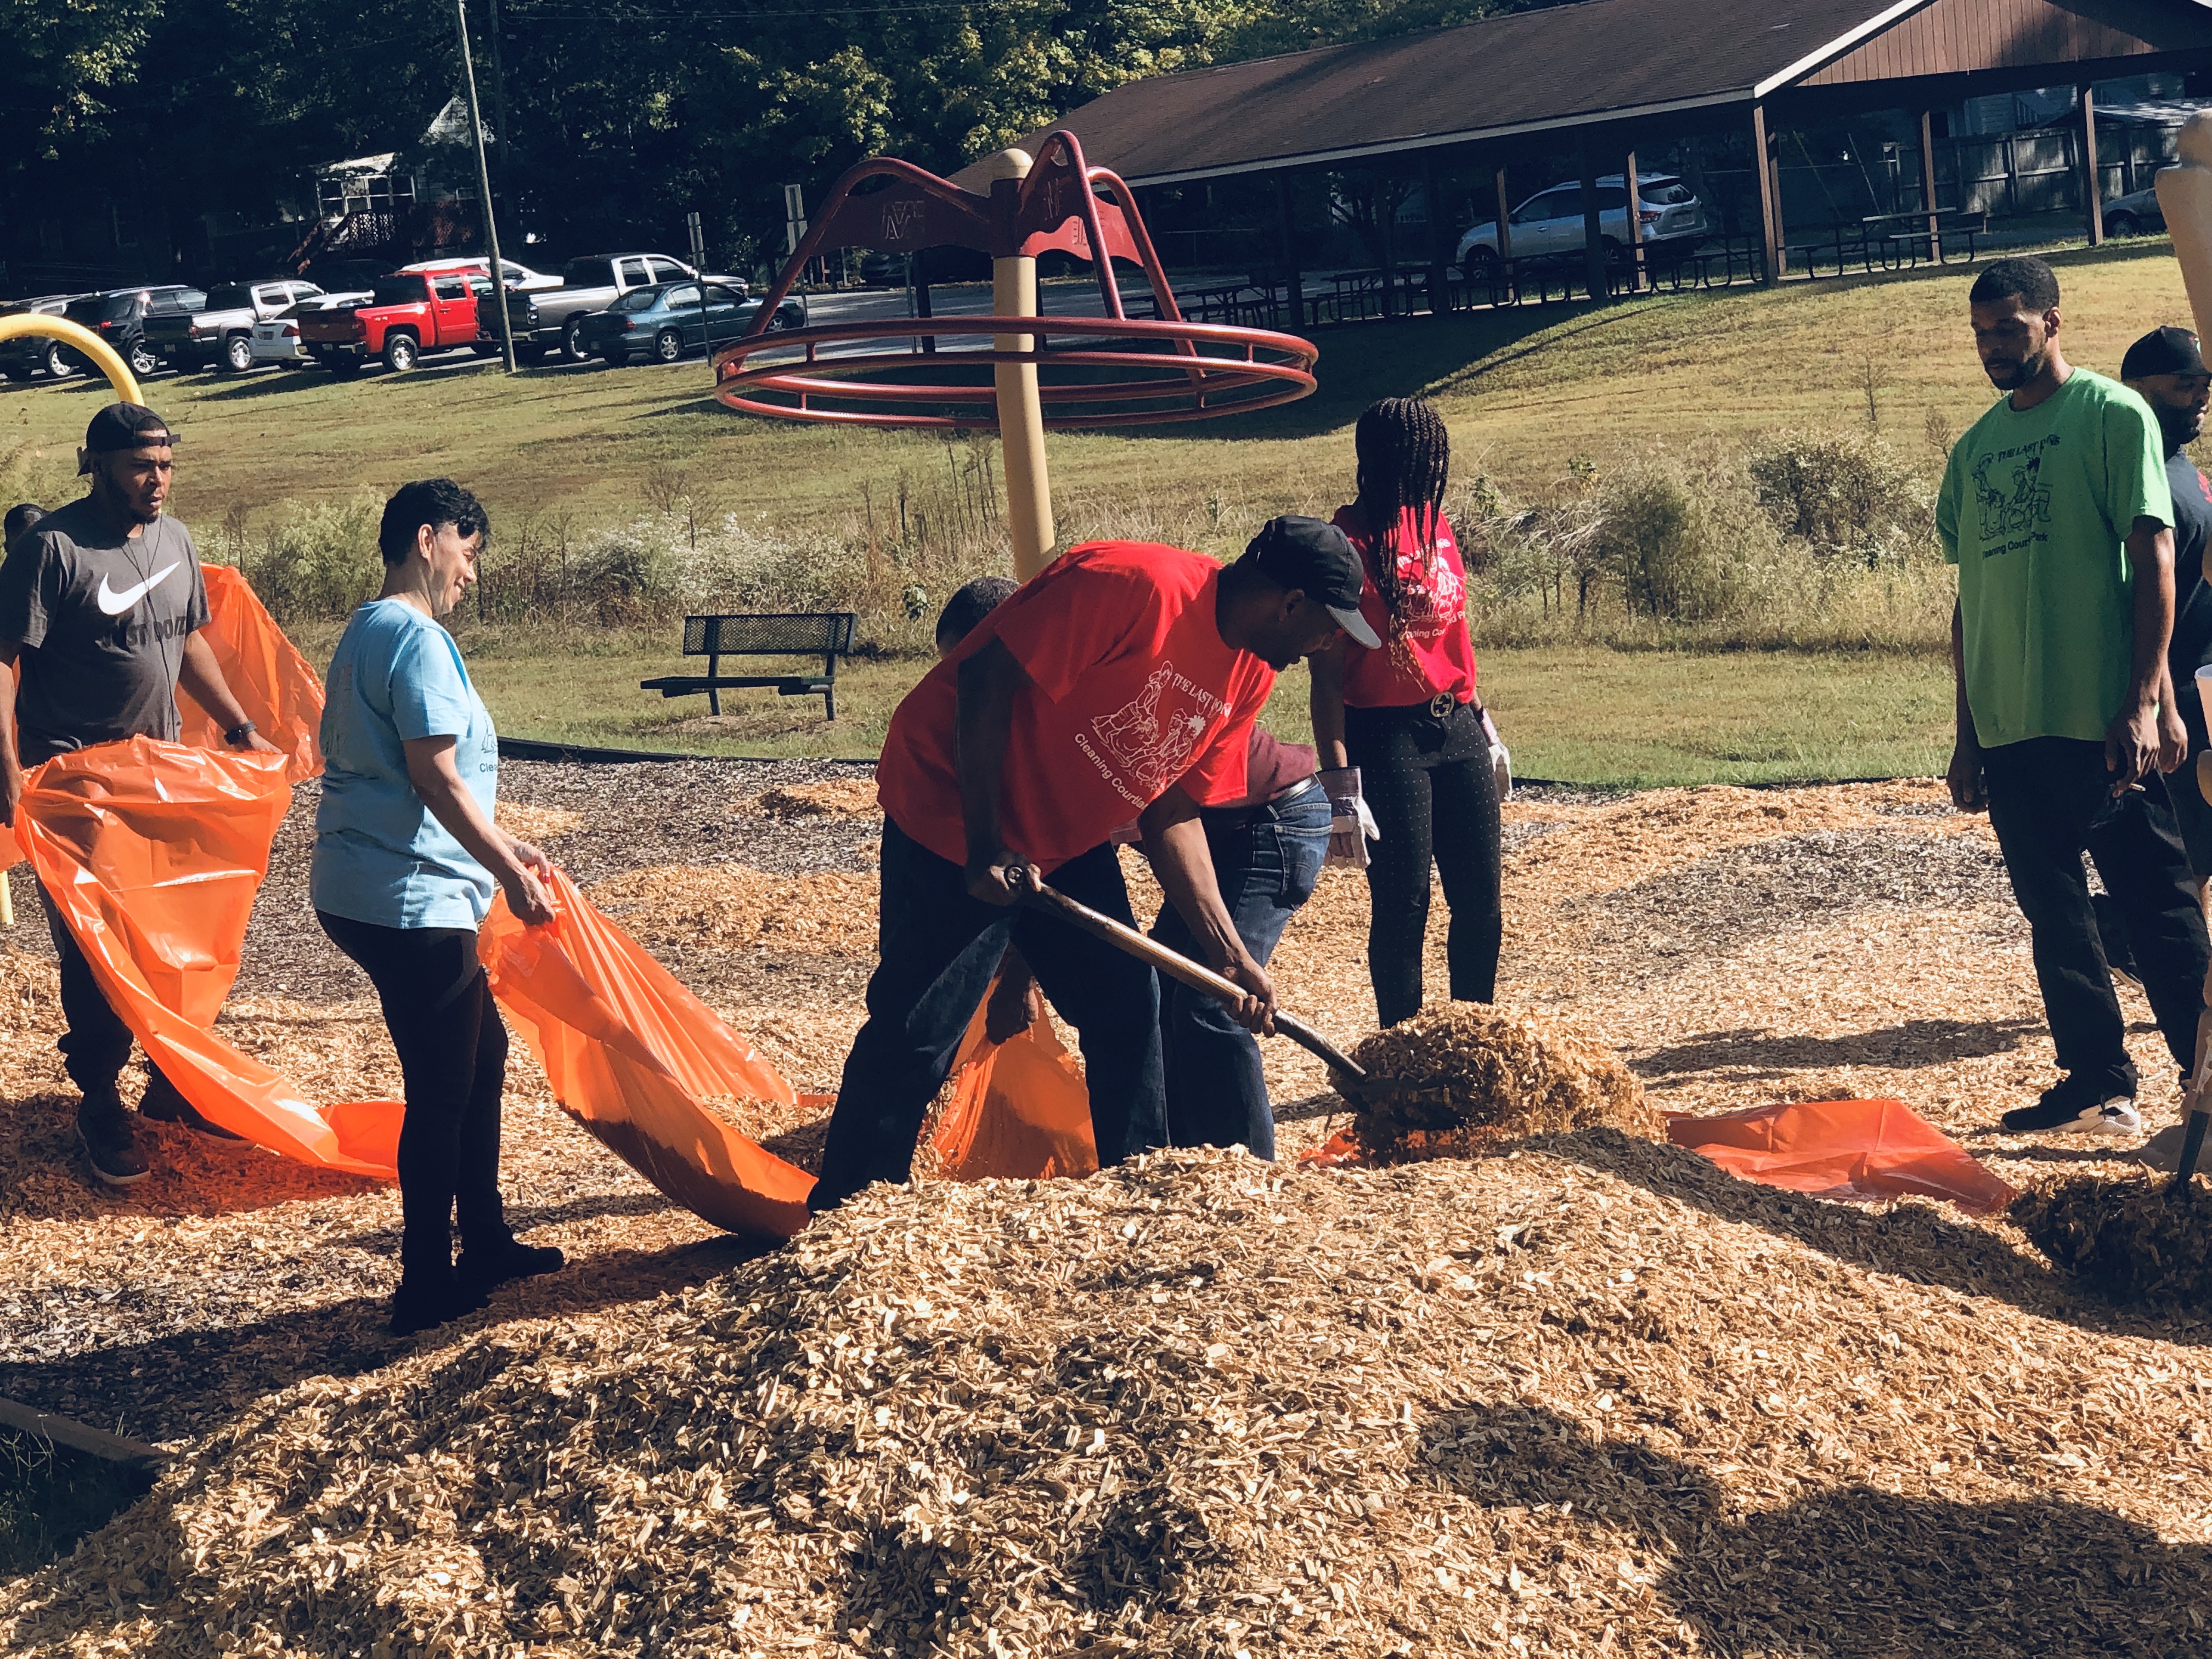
(116, 604)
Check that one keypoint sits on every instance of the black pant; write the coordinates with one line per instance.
(2050, 799)
(453, 1056)
(939, 947)
(1430, 784)
(97, 1044)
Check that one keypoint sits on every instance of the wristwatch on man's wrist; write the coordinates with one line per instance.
(237, 734)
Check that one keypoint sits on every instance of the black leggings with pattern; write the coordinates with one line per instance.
(1430, 784)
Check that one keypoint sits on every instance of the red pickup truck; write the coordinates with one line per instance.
(406, 316)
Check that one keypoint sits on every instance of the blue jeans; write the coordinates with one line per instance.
(1265, 864)
(939, 947)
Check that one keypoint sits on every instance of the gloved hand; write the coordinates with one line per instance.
(1351, 824)
(1501, 759)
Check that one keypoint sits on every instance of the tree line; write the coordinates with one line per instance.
(612, 117)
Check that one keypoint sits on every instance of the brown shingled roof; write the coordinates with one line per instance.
(1560, 67)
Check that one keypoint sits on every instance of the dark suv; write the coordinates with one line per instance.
(118, 317)
(26, 354)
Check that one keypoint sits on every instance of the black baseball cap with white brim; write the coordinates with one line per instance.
(123, 426)
(1316, 558)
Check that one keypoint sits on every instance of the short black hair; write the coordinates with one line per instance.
(20, 517)
(435, 502)
(977, 600)
(2034, 282)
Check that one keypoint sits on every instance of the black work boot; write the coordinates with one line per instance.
(484, 1266)
(110, 1143)
(425, 1299)
(163, 1103)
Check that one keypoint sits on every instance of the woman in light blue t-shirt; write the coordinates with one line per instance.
(406, 859)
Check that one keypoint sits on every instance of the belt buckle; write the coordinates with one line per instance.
(1441, 705)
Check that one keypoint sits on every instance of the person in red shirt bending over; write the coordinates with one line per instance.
(1402, 720)
(1121, 682)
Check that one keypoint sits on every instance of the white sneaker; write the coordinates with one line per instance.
(2118, 1118)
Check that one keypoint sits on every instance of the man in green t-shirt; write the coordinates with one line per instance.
(2054, 509)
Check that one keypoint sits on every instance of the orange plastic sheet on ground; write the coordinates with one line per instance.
(271, 679)
(154, 851)
(1843, 1149)
(632, 1055)
(1019, 1110)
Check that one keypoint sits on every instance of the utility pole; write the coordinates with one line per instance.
(484, 191)
(505, 134)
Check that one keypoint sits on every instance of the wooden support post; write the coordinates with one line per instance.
(1769, 215)
(1021, 411)
(1294, 283)
(1433, 186)
(1505, 234)
(1635, 223)
(1594, 262)
(1928, 187)
(1386, 222)
(2093, 192)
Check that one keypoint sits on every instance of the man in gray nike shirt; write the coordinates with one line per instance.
(100, 607)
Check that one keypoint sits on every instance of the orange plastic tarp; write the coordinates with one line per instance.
(271, 679)
(1847, 1149)
(154, 851)
(631, 1055)
(1019, 1110)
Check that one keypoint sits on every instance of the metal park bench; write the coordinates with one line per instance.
(825, 633)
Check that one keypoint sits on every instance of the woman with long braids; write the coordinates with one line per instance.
(1401, 725)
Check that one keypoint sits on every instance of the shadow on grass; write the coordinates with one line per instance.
(1917, 1243)
(1848, 1570)
(190, 1382)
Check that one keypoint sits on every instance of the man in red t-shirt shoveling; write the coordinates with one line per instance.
(1121, 682)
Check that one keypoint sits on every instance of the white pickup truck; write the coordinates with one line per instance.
(222, 331)
(551, 320)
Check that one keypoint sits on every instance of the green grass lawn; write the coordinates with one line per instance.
(1524, 391)
(1581, 714)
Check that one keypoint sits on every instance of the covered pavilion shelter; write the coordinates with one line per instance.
(1601, 77)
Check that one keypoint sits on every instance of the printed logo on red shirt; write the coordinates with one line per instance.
(1428, 604)
(1152, 737)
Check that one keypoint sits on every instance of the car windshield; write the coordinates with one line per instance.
(638, 299)
(232, 296)
(397, 290)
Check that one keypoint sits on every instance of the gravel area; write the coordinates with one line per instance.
(1721, 902)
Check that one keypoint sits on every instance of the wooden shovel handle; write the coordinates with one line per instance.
(1174, 965)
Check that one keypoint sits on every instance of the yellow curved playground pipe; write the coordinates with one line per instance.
(76, 334)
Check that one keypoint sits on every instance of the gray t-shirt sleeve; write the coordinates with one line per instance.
(30, 579)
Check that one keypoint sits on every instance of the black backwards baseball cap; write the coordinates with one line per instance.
(123, 426)
(1315, 558)
(2167, 351)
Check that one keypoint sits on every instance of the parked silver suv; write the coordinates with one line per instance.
(1673, 222)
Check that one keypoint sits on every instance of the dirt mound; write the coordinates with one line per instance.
(1466, 1074)
(2123, 1232)
(733, 907)
(835, 798)
(1595, 1396)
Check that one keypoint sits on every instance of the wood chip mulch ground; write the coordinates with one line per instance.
(1584, 1395)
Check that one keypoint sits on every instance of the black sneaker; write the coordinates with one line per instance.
(480, 1269)
(2074, 1107)
(110, 1145)
(163, 1103)
(417, 1305)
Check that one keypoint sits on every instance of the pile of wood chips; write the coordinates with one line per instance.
(733, 907)
(1465, 1074)
(2125, 1231)
(836, 798)
(1591, 1397)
